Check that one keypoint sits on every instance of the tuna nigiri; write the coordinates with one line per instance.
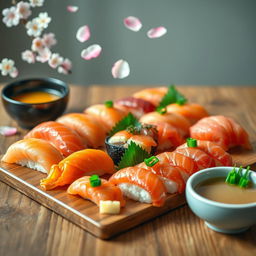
(138, 107)
(222, 131)
(220, 156)
(153, 95)
(140, 184)
(63, 138)
(202, 159)
(88, 128)
(106, 191)
(108, 116)
(176, 120)
(193, 112)
(36, 154)
(81, 163)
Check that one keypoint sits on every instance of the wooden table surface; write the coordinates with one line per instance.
(27, 228)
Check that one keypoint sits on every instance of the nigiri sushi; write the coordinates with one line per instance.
(140, 184)
(221, 130)
(220, 156)
(107, 115)
(176, 159)
(81, 163)
(63, 138)
(88, 128)
(106, 191)
(202, 159)
(153, 95)
(138, 107)
(178, 121)
(173, 177)
(33, 153)
(169, 137)
(193, 112)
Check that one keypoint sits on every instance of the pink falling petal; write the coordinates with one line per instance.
(156, 32)
(83, 34)
(72, 8)
(8, 131)
(133, 23)
(91, 52)
(121, 69)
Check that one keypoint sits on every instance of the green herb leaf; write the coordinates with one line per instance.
(133, 155)
(161, 110)
(172, 96)
(128, 121)
(235, 177)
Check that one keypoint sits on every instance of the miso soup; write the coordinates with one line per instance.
(218, 190)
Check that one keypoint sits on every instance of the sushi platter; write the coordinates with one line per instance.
(66, 164)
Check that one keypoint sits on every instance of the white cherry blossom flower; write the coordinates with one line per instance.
(55, 60)
(37, 44)
(65, 67)
(28, 56)
(35, 3)
(7, 68)
(14, 73)
(11, 16)
(33, 28)
(23, 10)
(43, 19)
(49, 40)
(44, 55)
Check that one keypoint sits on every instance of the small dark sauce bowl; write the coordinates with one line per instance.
(28, 115)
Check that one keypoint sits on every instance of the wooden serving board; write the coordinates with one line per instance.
(86, 214)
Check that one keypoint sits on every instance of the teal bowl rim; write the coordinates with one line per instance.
(190, 189)
(48, 79)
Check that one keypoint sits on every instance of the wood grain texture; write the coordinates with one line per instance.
(27, 228)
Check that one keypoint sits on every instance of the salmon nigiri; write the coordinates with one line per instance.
(140, 184)
(81, 163)
(178, 121)
(108, 116)
(36, 154)
(176, 159)
(89, 129)
(220, 156)
(153, 95)
(202, 159)
(221, 130)
(63, 138)
(106, 191)
(173, 177)
(193, 112)
(168, 136)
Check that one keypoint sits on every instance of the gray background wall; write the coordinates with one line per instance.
(208, 41)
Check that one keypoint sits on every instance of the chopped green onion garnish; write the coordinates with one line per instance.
(95, 181)
(151, 161)
(191, 143)
(244, 181)
(109, 104)
(161, 110)
(235, 177)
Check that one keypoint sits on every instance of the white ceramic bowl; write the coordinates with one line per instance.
(221, 217)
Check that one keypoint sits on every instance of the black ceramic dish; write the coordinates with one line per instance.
(29, 115)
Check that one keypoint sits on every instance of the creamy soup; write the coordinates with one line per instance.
(217, 189)
(36, 97)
